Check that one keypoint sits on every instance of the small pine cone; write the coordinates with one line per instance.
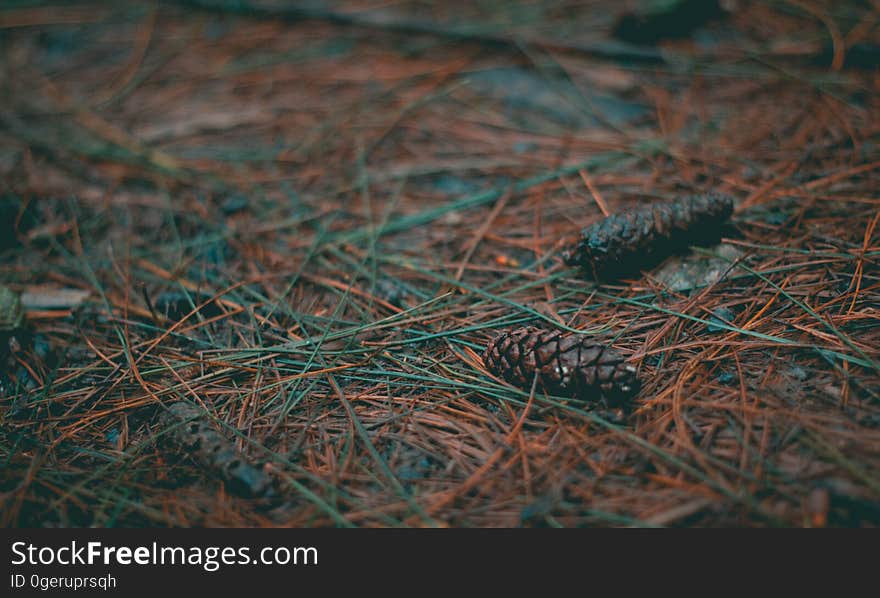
(625, 243)
(191, 431)
(11, 310)
(13, 329)
(566, 364)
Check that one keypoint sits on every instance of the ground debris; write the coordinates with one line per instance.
(682, 273)
(45, 297)
(667, 19)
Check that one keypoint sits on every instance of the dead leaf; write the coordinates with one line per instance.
(37, 297)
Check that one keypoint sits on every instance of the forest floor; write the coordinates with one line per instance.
(307, 225)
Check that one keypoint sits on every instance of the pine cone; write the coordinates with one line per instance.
(13, 330)
(566, 364)
(625, 243)
(191, 431)
(11, 310)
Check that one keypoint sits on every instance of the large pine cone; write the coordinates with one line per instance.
(566, 364)
(625, 243)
